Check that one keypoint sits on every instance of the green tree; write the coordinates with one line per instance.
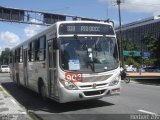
(129, 45)
(153, 46)
(4, 58)
(132, 61)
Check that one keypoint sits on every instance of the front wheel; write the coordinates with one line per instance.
(17, 79)
(42, 92)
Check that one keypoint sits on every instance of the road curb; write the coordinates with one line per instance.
(16, 102)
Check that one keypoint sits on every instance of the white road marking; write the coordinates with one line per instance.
(147, 112)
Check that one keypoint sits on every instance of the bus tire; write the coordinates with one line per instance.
(42, 90)
(12, 77)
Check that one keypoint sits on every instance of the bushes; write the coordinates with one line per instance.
(137, 63)
(132, 61)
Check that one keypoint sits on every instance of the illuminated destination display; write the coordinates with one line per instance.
(85, 28)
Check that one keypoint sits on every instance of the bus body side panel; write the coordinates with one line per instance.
(36, 71)
(12, 68)
(21, 74)
(32, 75)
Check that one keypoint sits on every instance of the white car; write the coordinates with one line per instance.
(5, 68)
(142, 70)
(130, 68)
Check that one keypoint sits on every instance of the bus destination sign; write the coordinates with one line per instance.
(85, 28)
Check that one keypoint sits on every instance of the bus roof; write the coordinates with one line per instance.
(57, 24)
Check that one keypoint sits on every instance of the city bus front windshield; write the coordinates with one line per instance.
(88, 54)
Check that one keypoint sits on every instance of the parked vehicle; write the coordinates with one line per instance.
(5, 68)
(142, 70)
(130, 68)
(152, 69)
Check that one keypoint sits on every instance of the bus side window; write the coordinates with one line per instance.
(36, 50)
(10, 57)
(31, 51)
(21, 54)
(40, 48)
(17, 54)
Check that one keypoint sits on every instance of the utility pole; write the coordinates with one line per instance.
(118, 2)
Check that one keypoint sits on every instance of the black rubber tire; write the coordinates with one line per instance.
(17, 79)
(42, 91)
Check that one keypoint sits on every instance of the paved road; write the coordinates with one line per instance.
(138, 97)
(10, 109)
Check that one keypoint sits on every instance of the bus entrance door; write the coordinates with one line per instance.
(52, 74)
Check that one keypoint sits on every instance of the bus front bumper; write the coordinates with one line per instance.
(79, 95)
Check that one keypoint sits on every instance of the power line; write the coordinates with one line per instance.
(135, 4)
(143, 4)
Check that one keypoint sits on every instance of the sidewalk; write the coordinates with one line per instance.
(143, 74)
(10, 109)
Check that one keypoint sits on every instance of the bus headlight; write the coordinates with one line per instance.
(68, 85)
(115, 81)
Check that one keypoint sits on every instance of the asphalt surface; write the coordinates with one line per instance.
(138, 97)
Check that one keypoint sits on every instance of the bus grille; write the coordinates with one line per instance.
(90, 93)
(91, 86)
(96, 78)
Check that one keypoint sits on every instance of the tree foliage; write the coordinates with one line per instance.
(128, 45)
(132, 61)
(153, 45)
(4, 58)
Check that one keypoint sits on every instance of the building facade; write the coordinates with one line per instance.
(136, 31)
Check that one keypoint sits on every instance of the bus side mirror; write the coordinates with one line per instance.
(55, 45)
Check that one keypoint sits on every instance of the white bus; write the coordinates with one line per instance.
(69, 61)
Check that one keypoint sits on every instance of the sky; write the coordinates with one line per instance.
(11, 34)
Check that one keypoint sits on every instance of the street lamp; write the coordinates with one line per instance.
(120, 32)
